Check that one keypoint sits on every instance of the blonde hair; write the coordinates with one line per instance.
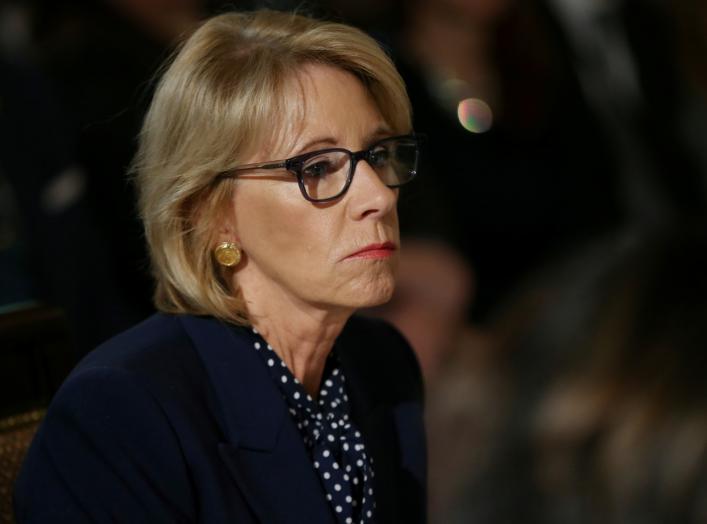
(214, 104)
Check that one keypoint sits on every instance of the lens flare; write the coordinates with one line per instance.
(475, 115)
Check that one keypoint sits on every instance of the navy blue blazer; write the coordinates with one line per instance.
(177, 420)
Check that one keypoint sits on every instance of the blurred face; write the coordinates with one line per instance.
(339, 255)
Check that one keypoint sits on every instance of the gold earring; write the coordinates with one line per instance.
(227, 254)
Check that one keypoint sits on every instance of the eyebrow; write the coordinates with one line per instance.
(377, 134)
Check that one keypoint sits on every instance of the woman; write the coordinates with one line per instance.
(268, 170)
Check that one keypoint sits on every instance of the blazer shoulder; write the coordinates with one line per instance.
(158, 338)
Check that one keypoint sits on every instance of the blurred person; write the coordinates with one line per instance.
(621, 434)
(268, 170)
(626, 56)
(555, 122)
(522, 168)
(465, 395)
(98, 58)
(50, 249)
(603, 356)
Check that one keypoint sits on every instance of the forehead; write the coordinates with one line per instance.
(327, 104)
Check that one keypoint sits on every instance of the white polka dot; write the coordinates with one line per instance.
(355, 480)
(348, 520)
(333, 404)
(335, 372)
(284, 378)
(369, 514)
(335, 465)
(348, 467)
(339, 509)
(271, 362)
(316, 464)
(370, 491)
(330, 438)
(257, 345)
(333, 425)
(357, 434)
(255, 331)
(346, 477)
(326, 475)
(348, 499)
(345, 446)
(328, 496)
(323, 393)
(337, 487)
(359, 463)
(282, 363)
(326, 453)
(328, 383)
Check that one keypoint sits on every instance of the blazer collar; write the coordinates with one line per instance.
(251, 406)
(263, 452)
(263, 449)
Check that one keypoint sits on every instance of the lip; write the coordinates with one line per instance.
(378, 250)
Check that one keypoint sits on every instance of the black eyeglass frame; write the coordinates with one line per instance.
(294, 165)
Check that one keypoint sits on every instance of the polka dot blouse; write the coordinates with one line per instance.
(335, 445)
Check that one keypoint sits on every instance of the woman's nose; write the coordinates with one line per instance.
(369, 196)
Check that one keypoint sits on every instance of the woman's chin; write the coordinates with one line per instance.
(374, 294)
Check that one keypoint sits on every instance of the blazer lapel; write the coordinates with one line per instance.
(372, 415)
(391, 424)
(263, 449)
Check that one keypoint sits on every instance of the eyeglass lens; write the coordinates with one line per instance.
(326, 175)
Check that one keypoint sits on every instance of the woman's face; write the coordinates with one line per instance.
(339, 255)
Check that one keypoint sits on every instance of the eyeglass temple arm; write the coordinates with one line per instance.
(252, 167)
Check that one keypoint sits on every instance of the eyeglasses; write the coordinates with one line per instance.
(326, 174)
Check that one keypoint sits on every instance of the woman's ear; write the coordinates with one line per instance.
(216, 215)
(226, 228)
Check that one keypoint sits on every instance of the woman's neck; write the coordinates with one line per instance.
(302, 335)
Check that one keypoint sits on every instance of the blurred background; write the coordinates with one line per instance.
(553, 273)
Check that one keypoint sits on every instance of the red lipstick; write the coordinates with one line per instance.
(380, 250)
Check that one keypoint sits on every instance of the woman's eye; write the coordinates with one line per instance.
(379, 157)
(318, 169)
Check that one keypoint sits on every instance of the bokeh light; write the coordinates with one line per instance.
(475, 115)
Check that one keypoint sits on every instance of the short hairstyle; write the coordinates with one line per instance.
(215, 104)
